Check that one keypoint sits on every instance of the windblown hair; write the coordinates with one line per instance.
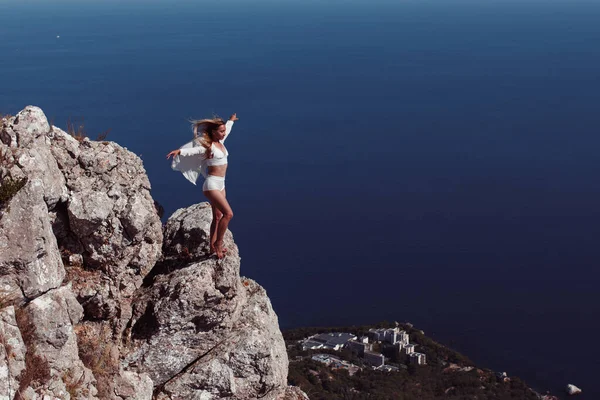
(202, 132)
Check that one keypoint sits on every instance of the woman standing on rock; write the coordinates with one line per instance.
(207, 154)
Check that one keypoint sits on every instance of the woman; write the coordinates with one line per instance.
(207, 154)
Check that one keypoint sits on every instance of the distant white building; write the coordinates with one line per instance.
(409, 348)
(327, 359)
(364, 339)
(376, 334)
(324, 358)
(403, 337)
(385, 335)
(374, 359)
(311, 345)
(418, 358)
(333, 341)
(358, 347)
(391, 335)
(399, 346)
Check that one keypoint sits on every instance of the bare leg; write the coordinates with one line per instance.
(213, 227)
(219, 201)
(224, 191)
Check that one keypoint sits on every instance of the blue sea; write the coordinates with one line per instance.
(431, 161)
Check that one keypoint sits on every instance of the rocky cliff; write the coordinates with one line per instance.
(99, 300)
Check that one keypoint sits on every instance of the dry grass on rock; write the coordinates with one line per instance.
(99, 353)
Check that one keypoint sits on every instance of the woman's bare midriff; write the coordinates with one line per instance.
(217, 170)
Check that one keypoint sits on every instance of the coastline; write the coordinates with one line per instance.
(325, 367)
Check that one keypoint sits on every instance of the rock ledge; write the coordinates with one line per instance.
(98, 301)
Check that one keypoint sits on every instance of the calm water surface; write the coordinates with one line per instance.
(425, 161)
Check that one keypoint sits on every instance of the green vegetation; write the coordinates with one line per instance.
(9, 188)
(417, 383)
(444, 376)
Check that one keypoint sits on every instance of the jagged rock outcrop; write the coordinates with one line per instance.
(222, 334)
(294, 393)
(47, 323)
(30, 261)
(12, 353)
(94, 305)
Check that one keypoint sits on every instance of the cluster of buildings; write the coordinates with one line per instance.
(363, 346)
(335, 362)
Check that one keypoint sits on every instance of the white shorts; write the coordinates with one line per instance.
(213, 182)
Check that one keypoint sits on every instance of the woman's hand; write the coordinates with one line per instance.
(233, 117)
(173, 153)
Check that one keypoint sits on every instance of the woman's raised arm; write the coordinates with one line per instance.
(187, 152)
(229, 125)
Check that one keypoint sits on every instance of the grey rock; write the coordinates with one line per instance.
(12, 353)
(189, 312)
(39, 165)
(30, 262)
(28, 125)
(199, 330)
(187, 231)
(40, 394)
(294, 393)
(112, 216)
(132, 386)
(111, 211)
(65, 149)
(7, 135)
(137, 318)
(249, 362)
(88, 211)
(29, 394)
(47, 325)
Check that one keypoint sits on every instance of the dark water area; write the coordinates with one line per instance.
(424, 161)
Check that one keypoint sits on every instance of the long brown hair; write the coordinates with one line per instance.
(203, 132)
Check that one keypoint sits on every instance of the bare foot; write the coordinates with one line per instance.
(212, 250)
(220, 250)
